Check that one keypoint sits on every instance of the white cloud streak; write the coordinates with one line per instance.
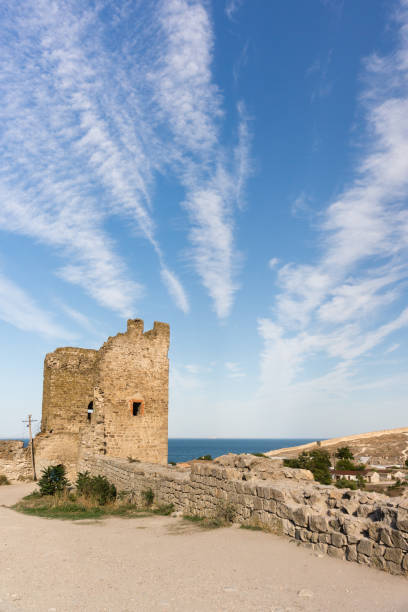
(232, 7)
(342, 307)
(18, 309)
(234, 370)
(90, 124)
(191, 104)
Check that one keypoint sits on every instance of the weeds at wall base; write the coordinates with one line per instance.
(205, 522)
(69, 506)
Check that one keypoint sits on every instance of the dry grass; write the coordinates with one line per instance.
(68, 506)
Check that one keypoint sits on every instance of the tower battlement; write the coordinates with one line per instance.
(113, 400)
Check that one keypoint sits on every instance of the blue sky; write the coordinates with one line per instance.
(238, 169)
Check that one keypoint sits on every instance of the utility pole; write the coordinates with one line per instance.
(30, 421)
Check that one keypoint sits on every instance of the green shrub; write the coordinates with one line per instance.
(344, 452)
(148, 497)
(53, 480)
(347, 464)
(260, 455)
(172, 463)
(95, 487)
(317, 461)
(226, 512)
(4, 480)
(205, 458)
(343, 483)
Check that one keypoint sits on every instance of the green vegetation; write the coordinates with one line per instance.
(96, 488)
(343, 483)
(346, 460)
(172, 463)
(398, 484)
(224, 517)
(252, 527)
(94, 498)
(53, 480)
(406, 463)
(260, 455)
(148, 497)
(68, 506)
(205, 458)
(344, 452)
(132, 460)
(204, 522)
(317, 461)
(4, 480)
(349, 465)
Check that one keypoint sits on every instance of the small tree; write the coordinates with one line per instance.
(53, 480)
(317, 461)
(344, 452)
(347, 464)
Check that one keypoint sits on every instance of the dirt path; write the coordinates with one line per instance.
(166, 564)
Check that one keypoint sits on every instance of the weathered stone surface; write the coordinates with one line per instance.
(318, 522)
(125, 383)
(393, 554)
(15, 460)
(338, 539)
(351, 552)
(337, 553)
(300, 516)
(365, 547)
(402, 522)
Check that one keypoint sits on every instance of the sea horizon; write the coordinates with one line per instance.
(186, 449)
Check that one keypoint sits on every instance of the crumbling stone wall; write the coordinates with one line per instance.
(15, 460)
(131, 395)
(367, 528)
(127, 382)
(67, 389)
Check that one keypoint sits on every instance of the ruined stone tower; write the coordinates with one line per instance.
(113, 401)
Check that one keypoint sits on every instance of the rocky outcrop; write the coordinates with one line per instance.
(247, 467)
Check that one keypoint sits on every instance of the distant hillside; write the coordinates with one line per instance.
(389, 446)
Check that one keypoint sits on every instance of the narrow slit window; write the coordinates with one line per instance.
(90, 410)
(136, 408)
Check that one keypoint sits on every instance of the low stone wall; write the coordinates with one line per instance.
(367, 528)
(15, 460)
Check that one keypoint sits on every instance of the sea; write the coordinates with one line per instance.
(184, 449)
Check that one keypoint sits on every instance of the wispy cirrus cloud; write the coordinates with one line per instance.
(234, 369)
(192, 105)
(346, 304)
(90, 123)
(231, 7)
(20, 310)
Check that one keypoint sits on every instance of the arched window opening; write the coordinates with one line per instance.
(90, 410)
(136, 408)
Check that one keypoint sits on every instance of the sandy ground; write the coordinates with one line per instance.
(164, 563)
